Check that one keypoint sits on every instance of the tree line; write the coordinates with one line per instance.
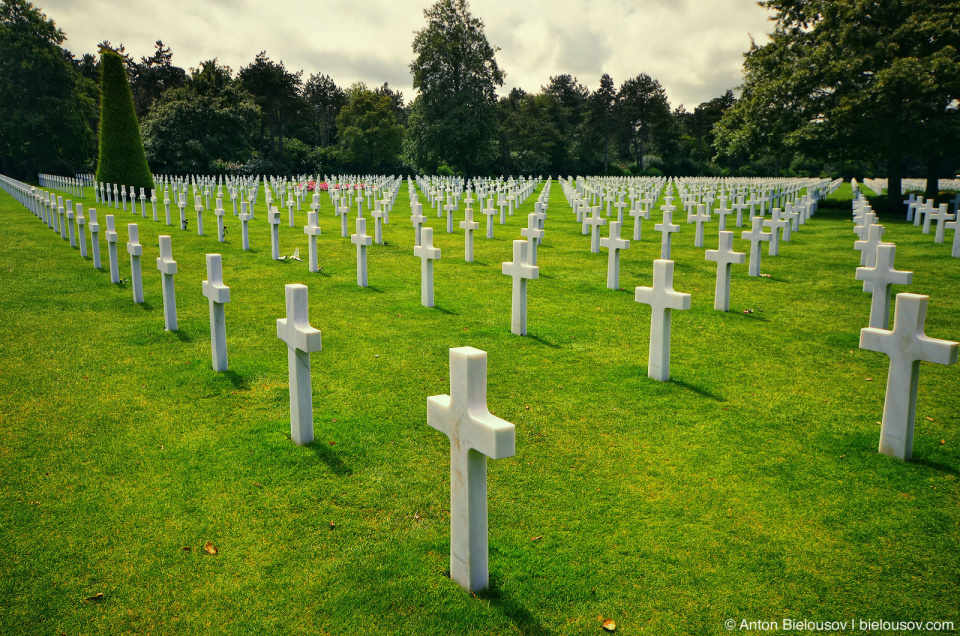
(266, 118)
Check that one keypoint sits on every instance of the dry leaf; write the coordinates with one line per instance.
(929, 419)
(610, 625)
(332, 525)
(943, 441)
(95, 598)
(209, 548)
(536, 538)
(416, 516)
(186, 548)
(869, 379)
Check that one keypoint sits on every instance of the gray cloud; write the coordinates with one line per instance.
(693, 47)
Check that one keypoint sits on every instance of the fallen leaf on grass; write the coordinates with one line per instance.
(417, 517)
(258, 484)
(943, 441)
(186, 548)
(536, 538)
(869, 379)
(95, 598)
(332, 525)
(610, 625)
(929, 419)
(209, 548)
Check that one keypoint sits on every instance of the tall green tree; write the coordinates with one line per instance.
(369, 131)
(600, 116)
(530, 140)
(122, 159)
(325, 99)
(643, 112)
(851, 79)
(453, 120)
(202, 126)
(572, 99)
(45, 108)
(152, 77)
(278, 93)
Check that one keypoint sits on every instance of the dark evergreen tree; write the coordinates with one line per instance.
(122, 159)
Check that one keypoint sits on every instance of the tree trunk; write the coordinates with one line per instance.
(933, 177)
(894, 182)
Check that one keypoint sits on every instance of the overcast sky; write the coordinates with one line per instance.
(693, 47)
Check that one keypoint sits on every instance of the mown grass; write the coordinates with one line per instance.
(747, 487)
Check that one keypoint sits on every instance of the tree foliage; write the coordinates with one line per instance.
(368, 131)
(852, 79)
(122, 159)
(45, 105)
(277, 92)
(456, 72)
(206, 123)
(325, 100)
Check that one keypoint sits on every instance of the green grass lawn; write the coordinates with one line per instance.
(747, 487)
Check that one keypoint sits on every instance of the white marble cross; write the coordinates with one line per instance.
(417, 219)
(112, 239)
(489, 212)
(639, 212)
(182, 205)
(218, 294)
(775, 223)
(135, 250)
(290, 218)
(941, 216)
(273, 218)
(378, 215)
(71, 231)
(198, 205)
(427, 253)
(907, 346)
(94, 228)
(343, 211)
(868, 246)
(312, 230)
(662, 299)
(595, 221)
(244, 230)
(520, 270)
(955, 226)
(450, 208)
(302, 340)
(701, 217)
(667, 229)
(168, 267)
(81, 232)
(468, 225)
(614, 244)
(879, 277)
(221, 230)
(724, 257)
(722, 212)
(533, 235)
(362, 241)
(474, 434)
(755, 236)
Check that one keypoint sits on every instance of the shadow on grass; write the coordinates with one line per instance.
(374, 289)
(937, 466)
(697, 390)
(543, 341)
(182, 335)
(146, 306)
(238, 381)
(525, 622)
(328, 456)
(443, 310)
(750, 316)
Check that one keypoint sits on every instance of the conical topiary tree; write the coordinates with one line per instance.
(122, 160)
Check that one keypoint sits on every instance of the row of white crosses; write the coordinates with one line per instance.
(923, 212)
(906, 344)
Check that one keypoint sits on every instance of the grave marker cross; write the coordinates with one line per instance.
(662, 298)
(907, 346)
(302, 340)
(474, 434)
